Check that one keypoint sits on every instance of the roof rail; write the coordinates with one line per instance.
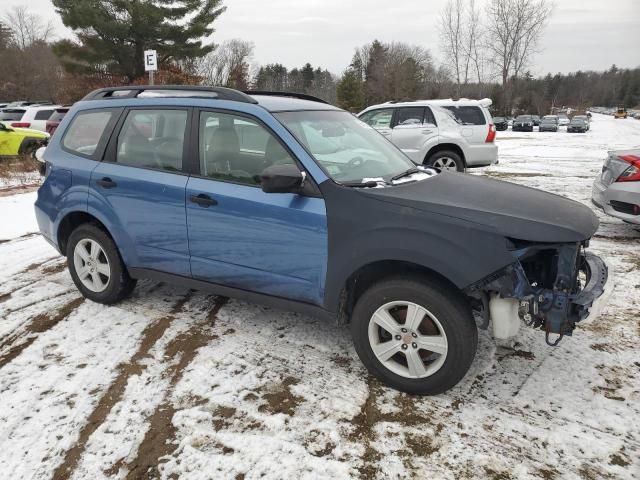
(301, 96)
(191, 91)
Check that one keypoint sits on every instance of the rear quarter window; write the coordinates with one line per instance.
(57, 115)
(43, 114)
(85, 131)
(12, 114)
(468, 115)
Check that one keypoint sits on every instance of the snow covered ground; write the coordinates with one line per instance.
(179, 384)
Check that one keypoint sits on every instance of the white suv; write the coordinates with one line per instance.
(35, 117)
(448, 134)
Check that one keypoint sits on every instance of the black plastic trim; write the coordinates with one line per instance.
(222, 93)
(232, 292)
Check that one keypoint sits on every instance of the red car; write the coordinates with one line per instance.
(56, 118)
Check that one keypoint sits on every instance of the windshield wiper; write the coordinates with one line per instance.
(369, 184)
(406, 173)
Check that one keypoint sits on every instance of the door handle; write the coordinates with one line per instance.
(426, 131)
(106, 182)
(203, 200)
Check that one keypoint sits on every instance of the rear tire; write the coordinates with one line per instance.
(96, 266)
(417, 312)
(446, 160)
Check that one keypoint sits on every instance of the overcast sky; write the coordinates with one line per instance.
(582, 34)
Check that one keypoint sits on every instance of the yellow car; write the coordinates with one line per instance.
(20, 141)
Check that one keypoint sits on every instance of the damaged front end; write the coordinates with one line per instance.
(551, 287)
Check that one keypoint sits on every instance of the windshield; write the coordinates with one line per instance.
(346, 148)
(524, 117)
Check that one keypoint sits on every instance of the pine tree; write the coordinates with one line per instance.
(113, 34)
(350, 91)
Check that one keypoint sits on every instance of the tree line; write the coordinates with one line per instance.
(488, 54)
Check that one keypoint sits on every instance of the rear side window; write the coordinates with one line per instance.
(428, 116)
(153, 139)
(410, 116)
(468, 115)
(85, 131)
(57, 115)
(43, 115)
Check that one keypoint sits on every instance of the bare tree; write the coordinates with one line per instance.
(453, 41)
(28, 28)
(228, 64)
(514, 27)
(473, 41)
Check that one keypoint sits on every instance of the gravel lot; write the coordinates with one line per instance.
(180, 384)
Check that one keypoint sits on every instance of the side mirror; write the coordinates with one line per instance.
(282, 179)
(39, 154)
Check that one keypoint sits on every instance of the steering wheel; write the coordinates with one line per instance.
(356, 162)
(167, 149)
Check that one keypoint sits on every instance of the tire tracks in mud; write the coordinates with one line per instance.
(410, 415)
(182, 348)
(150, 335)
(48, 270)
(159, 439)
(39, 324)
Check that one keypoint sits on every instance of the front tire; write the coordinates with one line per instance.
(446, 160)
(414, 334)
(96, 267)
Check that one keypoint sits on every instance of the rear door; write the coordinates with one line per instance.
(140, 188)
(413, 129)
(474, 121)
(239, 236)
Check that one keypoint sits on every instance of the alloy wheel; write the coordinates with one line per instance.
(445, 163)
(408, 339)
(92, 265)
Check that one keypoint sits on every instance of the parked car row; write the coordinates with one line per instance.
(548, 123)
(32, 115)
(26, 125)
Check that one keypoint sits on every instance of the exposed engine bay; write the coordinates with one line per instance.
(551, 287)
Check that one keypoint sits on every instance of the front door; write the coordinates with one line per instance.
(239, 236)
(140, 188)
(380, 120)
(413, 129)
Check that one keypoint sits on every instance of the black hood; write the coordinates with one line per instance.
(512, 210)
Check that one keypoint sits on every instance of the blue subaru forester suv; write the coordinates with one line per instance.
(285, 200)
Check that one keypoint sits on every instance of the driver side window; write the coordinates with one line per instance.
(152, 139)
(237, 149)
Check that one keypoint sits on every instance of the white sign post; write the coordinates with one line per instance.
(150, 63)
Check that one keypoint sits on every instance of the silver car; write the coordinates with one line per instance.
(617, 188)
